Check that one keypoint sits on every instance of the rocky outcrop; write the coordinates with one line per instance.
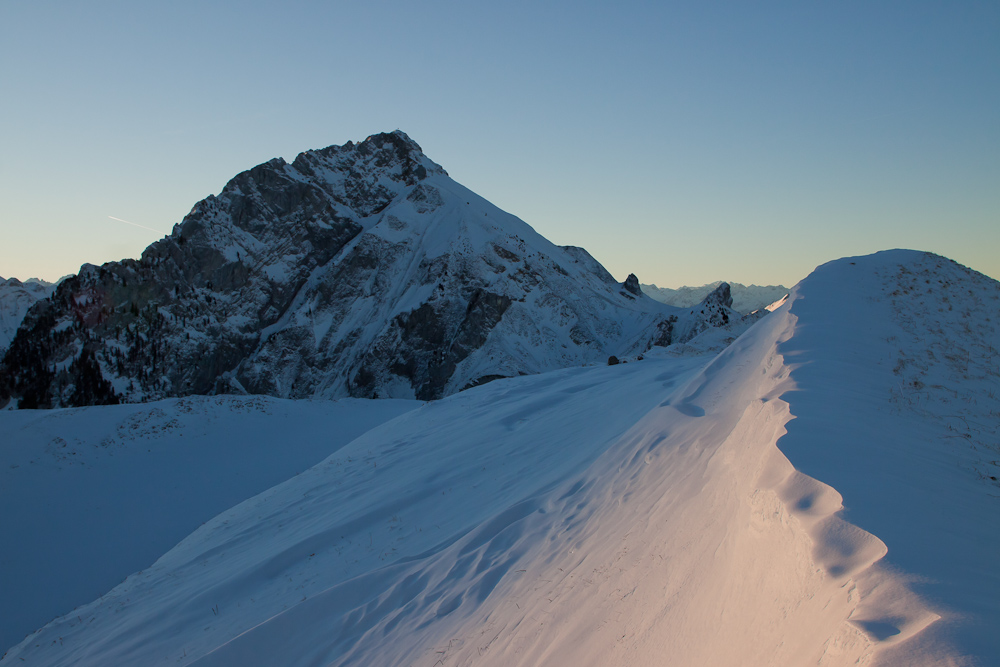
(715, 310)
(631, 285)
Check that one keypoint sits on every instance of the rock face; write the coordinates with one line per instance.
(356, 270)
(631, 285)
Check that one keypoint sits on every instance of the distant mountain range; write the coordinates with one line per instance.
(746, 298)
(358, 270)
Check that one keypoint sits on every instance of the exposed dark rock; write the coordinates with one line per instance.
(720, 296)
(437, 340)
(631, 285)
(665, 332)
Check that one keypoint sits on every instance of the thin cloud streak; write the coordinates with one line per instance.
(134, 224)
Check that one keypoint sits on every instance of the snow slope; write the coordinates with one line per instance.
(626, 515)
(92, 495)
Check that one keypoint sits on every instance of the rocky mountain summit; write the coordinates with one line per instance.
(356, 270)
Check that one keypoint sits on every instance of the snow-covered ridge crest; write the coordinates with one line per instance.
(358, 270)
(898, 408)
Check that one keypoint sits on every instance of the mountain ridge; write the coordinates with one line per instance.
(746, 298)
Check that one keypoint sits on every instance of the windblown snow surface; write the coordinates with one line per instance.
(664, 511)
(90, 495)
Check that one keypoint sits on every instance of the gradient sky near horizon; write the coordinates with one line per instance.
(684, 142)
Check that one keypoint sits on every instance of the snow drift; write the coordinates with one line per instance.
(91, 495)
(644, 513)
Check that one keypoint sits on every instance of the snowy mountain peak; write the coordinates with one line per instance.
(393, 156)
(359, 270)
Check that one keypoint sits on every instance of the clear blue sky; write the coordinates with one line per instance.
(683, 142)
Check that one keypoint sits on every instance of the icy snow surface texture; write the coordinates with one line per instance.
(746, 298)
(357, 270)
(649, 513)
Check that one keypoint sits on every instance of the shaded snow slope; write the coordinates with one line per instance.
(746, 298)
(16, 298)
(89, 496)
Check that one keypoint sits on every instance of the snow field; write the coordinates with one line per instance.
(90, 495)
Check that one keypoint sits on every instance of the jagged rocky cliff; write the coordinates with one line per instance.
(359, 270)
